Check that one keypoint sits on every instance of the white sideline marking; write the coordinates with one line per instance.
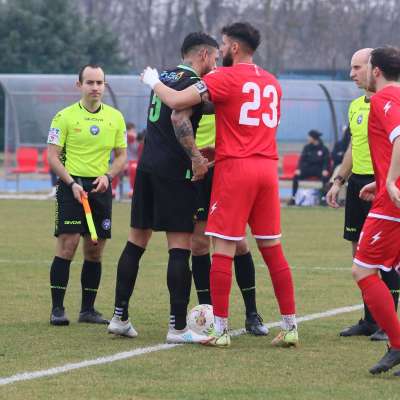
(27, 376)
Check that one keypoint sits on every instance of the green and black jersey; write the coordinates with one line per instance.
(87, 138)
(162, 154)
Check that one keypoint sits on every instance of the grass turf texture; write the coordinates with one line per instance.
(324, 367)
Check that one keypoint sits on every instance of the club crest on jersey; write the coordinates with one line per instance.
(359, 119)
(106, 224)
(94, 130)
(166, 76)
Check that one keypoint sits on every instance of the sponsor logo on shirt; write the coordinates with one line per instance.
(166, 76)
(54, 136)
(93, 119)
(106, 224)
(359, 119)
(94, 130)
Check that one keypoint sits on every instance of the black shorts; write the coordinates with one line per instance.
(356, 210)
(70, 216)
(162, 204)
(203, 195)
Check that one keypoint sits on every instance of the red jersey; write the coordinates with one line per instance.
(383, 129)
(247, 111)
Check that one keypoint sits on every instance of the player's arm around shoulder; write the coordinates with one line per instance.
(174, 99)
(184, 133)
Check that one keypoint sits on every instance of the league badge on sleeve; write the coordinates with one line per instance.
(54, 136)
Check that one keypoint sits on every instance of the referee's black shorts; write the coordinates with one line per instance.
(203, 195)
(70, 216)
(162, 204)
(356, 210)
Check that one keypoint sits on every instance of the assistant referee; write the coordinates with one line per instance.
(80, 141)
(357, 168)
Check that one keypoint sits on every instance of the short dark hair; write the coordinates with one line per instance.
(130, 125)
(90, 65)
(387, 59)
(243, 32)
(195, 39)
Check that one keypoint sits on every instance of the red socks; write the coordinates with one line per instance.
(281, 278)
(220, 284)
(377, 297)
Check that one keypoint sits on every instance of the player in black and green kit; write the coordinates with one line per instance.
(80, 141)
(164, 196)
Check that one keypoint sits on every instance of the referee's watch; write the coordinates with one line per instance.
(339, 179)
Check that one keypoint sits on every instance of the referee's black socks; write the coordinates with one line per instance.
(201, 266)
(90, 281)
(59, 275)
(179, 281)
(127, 270)
(246, 280)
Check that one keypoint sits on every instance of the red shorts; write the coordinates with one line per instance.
(245, 190)
(378, 246)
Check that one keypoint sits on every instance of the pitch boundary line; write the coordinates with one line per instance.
(27, 376)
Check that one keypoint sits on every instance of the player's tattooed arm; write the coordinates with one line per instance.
(207, 104)
(185, 135)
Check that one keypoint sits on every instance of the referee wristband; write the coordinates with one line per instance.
(340, 179)
(109, 177)
(71, 184)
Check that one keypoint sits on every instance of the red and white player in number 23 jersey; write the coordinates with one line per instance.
(245, 186)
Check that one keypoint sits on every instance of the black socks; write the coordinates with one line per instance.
(90, 281)
(246, 280)
(128, 266)
(59, 275)
(179, 280)
(201, 266)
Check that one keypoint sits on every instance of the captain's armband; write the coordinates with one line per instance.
(201, 87)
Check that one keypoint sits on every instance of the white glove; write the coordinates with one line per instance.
(150, 77)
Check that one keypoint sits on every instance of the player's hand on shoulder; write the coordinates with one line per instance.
(199, 167)
(100, 184)
(149, 76)
(367, 193)
(394, 193)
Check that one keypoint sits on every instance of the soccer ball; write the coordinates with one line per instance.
(200, 319)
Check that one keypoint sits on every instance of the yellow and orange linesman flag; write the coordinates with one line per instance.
(89, 218)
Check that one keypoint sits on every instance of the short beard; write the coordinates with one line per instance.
(227, 61)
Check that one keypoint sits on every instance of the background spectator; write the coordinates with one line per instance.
(314, 162)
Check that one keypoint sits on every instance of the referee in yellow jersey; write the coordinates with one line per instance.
(80, 141)
(357, 168)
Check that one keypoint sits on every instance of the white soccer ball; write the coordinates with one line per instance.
(200, 319)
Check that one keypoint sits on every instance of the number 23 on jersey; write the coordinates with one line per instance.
(268, 116)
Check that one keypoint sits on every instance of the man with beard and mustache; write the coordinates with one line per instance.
(378, 248)
(245, 187)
